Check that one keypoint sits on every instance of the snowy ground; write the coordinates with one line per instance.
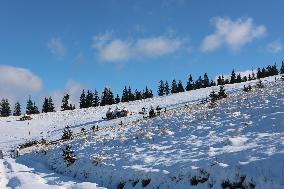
(240, 141)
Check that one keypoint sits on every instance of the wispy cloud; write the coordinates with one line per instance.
(18, 83)
(112, 49)
(56, 47)
(274, 47)
(232, 33)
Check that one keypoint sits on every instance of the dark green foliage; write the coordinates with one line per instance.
(83, 99)
(48, 105)
(222, 92)
(131, 96)
(120, 185)
(68, 155)
(67, 134)
(31, 108)
(138, 95)
(147, 93)
(17, 109)
(282, 68)
(5, 108)
(206, 82)
(96, 101)
(167, 88)
(213, 97)
(189, 85)
(65, 103)
(180, 87)
(259, 84)
(117, 99)
(203, 177)
(221, 80)
(107, 97)
(125, 96)
(233, 77)
(89, 99)
(145, 182)
(161, 88)
(248, 88)
(174, 87)
(198, 83)
(51, 105)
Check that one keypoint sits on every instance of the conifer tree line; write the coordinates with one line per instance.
(93, 99)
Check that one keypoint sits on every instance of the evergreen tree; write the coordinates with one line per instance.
(244, 79)
(51, 105)
(222, 92)
(96, 101)
(45, 106)
(199, 83)
(83, 99)
(239, 78)
(213, 97)
(219, 80)
(189, 85)
(174, 87)
(138, 95)
(117, 99)
(130, 94)
(89, 99)
(212, 83)
(180, 87)
(65, 103)
(67, 133)
(5, 108)
(167, 88)
(35, 109)
(17, 109)
(30, 107)
(107, 97)
(253, 75)
(233, 77)
(206, 82)
(161, 89)
(282, 68)
(125, 96)
(68, 155)
(147, 93)
(249, 77)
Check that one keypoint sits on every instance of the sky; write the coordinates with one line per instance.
(53, 47)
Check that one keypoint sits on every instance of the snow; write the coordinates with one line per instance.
(242, 136)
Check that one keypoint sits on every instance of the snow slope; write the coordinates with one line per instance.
(239, 142)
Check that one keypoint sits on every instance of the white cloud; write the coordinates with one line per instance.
(274, 47)
(232, 33)
(73, 88)
(17, 84)
(56, 47)
(116, 50)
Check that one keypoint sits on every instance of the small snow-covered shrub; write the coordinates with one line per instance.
(67, 133)
(68, 155)
(120, 185)
(202, 177)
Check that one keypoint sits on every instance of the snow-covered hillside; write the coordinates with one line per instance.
(239, 143)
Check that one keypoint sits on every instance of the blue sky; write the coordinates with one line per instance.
(52, 47)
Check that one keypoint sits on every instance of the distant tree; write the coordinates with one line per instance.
(83, 100)
(45, 106)
(5, 108)
(167, 88)
(65, 103)
(67, 133)
(117, 99)
(138, 95)
(107, 97)
(206, 82)
(161, 88)
(244, 79)
(249, 77)
(233, 77)
(222, 92)
(35, 108)
(199, 83)
(189, 85)
(239, 78)
(31, 108)
(180, 87)
(17, 109)
(213, 97)
(51, 105)
(282, 68)
(219, 80)
(125, 96)
(212, 83)
(130, 94)
(89, 99)
(174, 87)
(253, 75)
(147, 93)
(96, 99)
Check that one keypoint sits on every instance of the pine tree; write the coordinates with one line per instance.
(65, 103)
(51, 105)
(199, 83)
(110, 97)
(83, 99)
(45, 106)
(68, 155)
(107, 97)
(212, 83)
(125, 96)
(206, 82)
(189, 85)
(147, 93)
(233, 77)
(180, 87)
(5, 108)
(282, 68)
(89, 99)
(239, 78)
(67, 133)
(253, 75)
(96, 101)
(17, 109)
(130, 94)
(117, 99)
(138, 95)
(244, 79)
(222, 92)
(161, 89)
(167, 88)
(213, 97)
(30, 107)
(35, 109)
(219, 80)
(174, 87)
(249, 77)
